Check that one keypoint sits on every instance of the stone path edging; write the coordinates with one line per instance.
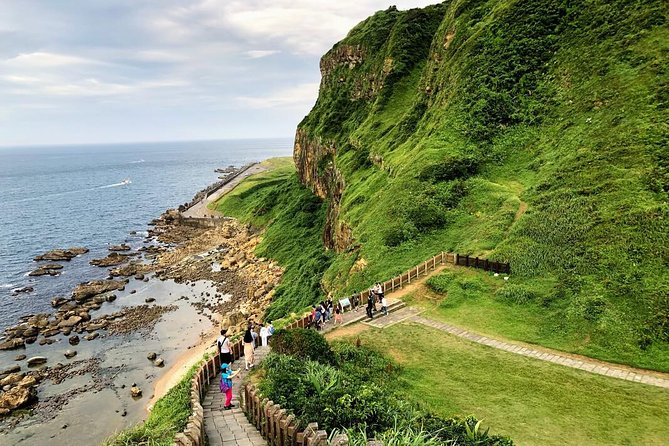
(231, 427)
(580, 362)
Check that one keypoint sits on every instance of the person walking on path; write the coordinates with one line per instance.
(270, 329)
(384, 305)
(248, 347)
(224, 352)
(370, 306)
(226, 384)
(264, 334)
(338, 317)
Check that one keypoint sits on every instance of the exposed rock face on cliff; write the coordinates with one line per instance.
(316, 168)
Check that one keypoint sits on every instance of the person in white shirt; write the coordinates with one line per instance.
(264, 333)
(384, 305)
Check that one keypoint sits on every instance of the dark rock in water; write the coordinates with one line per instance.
(74, 340)
(31, 340)
(121, 247)
(151, 356)
(70, 353)
(85, 291)
(139, 276)
(46, 341)
(18, 358)
(25, 289)
(111, 298)
(160, 362)
(62, 254)
(133, 291)
(148, 300)
(12, 344)
(45, 270)
(36, 360)
(135, 391)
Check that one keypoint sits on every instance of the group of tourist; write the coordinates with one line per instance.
(376, 296)
(321, 314)
(226, 356)
(324, 312)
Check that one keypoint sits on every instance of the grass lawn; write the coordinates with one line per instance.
(233, 203)
(478, 301)
(534, 402)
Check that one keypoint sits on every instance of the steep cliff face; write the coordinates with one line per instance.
(527, 132)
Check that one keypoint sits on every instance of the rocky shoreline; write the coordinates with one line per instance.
(173, 251)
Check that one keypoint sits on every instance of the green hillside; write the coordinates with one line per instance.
(533, 132)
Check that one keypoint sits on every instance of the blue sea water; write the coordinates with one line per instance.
(63, 196)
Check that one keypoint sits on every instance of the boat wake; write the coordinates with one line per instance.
(122, 183)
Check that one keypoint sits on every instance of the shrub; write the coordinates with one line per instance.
(450, 168)
(519, 294)
(440, 282)
(302, 343)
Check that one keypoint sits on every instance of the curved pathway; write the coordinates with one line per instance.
(230, 427)
(411, 314)
(200, 209)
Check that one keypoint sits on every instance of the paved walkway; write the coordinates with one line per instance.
(411, 314)
(230, 427)
(200, 208)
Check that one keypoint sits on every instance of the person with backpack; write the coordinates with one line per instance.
(226, 384)
(224, 350)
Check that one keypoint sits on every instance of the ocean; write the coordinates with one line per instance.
(64, 196)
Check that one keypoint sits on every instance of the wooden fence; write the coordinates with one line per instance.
(431, 264)
(281, 428)
(270, 419)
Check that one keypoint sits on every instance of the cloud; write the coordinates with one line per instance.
(137, 67)
(292, 97)
(41, 59)
(258, 54)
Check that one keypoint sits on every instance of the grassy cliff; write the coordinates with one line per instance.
(533, 132)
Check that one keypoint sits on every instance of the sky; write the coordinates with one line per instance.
(101, 71)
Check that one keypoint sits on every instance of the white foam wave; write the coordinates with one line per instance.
(7, 285)
(112, 185)
(136, 162)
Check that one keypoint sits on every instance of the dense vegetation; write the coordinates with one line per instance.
(532, 132)
(357, 389)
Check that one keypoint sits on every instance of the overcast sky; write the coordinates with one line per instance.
(82, 71)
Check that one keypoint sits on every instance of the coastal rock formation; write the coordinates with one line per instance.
(62, 254)
(15, 398)
(12, 344)
(85, 291)
(121, 247)
(50, 269)
(36, 360)
(112, 259)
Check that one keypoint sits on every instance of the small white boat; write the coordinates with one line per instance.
(126, 181)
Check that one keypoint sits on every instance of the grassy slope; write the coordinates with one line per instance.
(534, 402)
(533, 104)
(293, 219)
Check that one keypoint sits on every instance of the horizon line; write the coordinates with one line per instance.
(119, 143)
